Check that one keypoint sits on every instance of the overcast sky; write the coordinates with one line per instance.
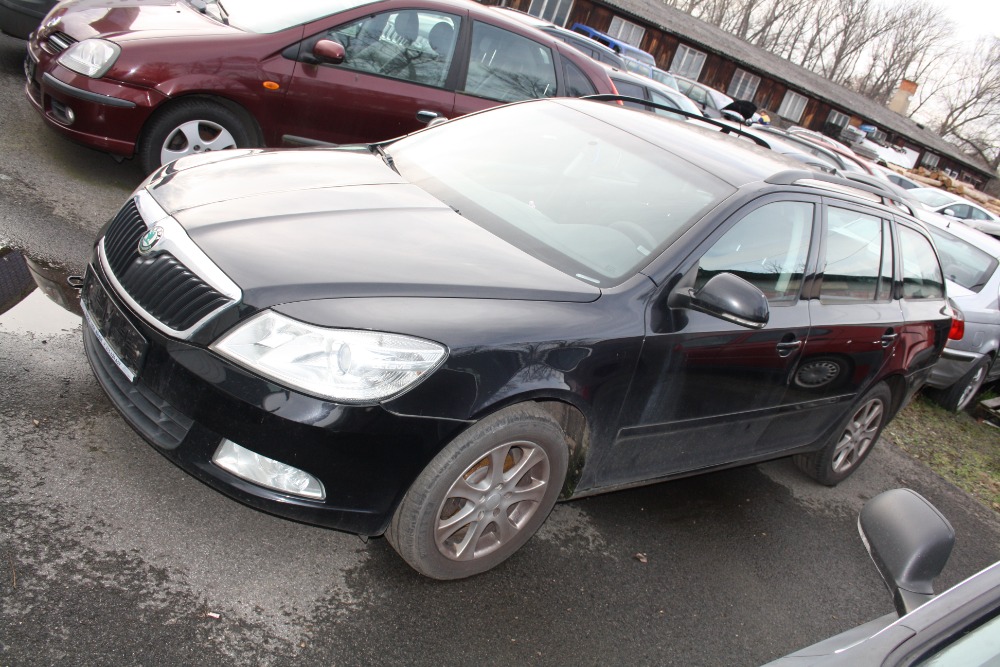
(974, 18)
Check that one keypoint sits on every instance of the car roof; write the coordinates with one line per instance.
(736, 161)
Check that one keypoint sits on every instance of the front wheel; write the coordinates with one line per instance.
(851, 442)
(189, 127)
(483, 496)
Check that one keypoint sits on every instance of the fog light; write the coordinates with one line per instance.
(261, 470)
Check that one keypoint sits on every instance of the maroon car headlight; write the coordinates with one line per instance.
(344, 365)
(91, 57)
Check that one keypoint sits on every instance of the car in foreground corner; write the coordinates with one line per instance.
(18, 18)
(438, 337)
(161, 80)
(910, 541)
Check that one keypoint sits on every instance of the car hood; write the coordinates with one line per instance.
(299, 225)
(131, 19)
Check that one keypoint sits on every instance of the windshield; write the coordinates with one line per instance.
(584, 196)
(962, 262)
(931, 197)
(266, 16)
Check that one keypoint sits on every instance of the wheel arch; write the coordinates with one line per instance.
(576, 420)
(249, 120)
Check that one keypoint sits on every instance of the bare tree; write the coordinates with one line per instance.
(916, 36)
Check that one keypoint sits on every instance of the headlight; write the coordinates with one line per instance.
(340, 364)
(91, 57)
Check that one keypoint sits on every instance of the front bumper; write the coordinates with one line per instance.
(98, 113)
(185, 400)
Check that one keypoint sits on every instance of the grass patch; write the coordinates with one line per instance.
(959, 447)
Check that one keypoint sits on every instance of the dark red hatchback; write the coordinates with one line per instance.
(166, 78)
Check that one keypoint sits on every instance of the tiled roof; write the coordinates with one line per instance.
(696, 32)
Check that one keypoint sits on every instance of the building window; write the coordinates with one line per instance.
(743, 86)
(929, 160)
(792, 106)
(629, 33)
(555, 11)
(687, 62)
(839, 119)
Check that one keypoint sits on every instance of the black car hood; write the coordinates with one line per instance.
(298, 225)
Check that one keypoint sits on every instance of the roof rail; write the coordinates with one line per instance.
(723, 127)
(792, 176)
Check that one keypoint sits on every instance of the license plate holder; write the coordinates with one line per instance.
(29, 68)
(119, 337)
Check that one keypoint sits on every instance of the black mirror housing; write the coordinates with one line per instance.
(733, 299)
(910, 542)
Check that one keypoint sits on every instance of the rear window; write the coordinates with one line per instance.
(962, 262)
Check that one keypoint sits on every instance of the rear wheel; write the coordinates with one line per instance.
(483, 496)
(959, 396)
(851, 442)
(189, 127)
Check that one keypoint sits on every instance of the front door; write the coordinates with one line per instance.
(706, 390)
(396, 64)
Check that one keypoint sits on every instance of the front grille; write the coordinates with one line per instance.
(159, 284)
(153, 417)
(59, 42)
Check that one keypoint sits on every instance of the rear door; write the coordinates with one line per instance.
(856, 313)
(397, 63)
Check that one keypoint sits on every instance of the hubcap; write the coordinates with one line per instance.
(971, 388)
(195, 136)
(817, 373)
(492, 500)
(858, 436)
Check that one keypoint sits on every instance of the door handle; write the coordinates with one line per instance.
(785, 348)
(888, 338)
(430, 117)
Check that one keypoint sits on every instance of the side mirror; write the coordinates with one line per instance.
(950, 211)
(909, 541)
(732, 299)
(329, 51)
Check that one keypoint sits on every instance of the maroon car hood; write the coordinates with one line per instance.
(132, 19)
(298, 225)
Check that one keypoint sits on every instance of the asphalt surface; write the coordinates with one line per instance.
(111, 555)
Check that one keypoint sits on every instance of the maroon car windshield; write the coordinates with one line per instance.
(266, 16)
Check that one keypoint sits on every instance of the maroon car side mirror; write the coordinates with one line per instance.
(328, 51)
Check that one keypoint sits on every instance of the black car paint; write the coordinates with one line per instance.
(611, 353)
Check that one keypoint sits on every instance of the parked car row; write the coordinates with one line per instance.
(160, 81)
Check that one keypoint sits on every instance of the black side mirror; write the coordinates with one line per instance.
(910, 542)
(730, 298)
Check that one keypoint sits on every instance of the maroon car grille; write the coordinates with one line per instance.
(160, 284)
(59, 42)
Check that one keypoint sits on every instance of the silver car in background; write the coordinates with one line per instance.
(970, 260)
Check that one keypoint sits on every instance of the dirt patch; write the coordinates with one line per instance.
(963, 448)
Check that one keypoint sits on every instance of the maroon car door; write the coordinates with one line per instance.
(396, 74)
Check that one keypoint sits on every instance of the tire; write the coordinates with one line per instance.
(852, 440)
(960, 395)
(189, 127)
(483, 496)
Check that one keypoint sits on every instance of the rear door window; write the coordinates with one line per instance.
(577, 83)
(858, 264)
(507, 67)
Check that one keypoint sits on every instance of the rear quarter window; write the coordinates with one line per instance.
(922, 275)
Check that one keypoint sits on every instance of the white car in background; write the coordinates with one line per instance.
(953, 206)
